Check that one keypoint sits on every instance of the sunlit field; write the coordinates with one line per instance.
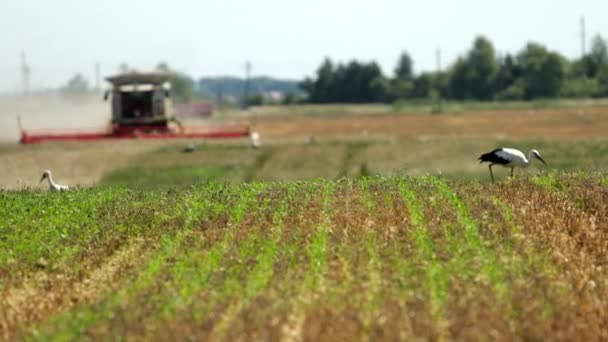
(389, 258)
(377, 226)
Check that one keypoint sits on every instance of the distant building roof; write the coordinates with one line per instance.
(138, 78)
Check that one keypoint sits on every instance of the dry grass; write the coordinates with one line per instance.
(545, 123)
(72, 163)
(396, 144)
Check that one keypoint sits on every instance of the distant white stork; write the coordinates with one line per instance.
(54, 186)
(254, 138)
(509, 157)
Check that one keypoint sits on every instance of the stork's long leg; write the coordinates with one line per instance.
(491, 173)
(512, 172)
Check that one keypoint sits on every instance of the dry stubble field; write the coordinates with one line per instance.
(340, 258)
(411, 144)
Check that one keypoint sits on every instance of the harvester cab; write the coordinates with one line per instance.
(140, 102)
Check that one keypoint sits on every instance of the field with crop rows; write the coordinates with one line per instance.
(369, 258)
(349, 223)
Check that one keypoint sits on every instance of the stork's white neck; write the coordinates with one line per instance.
(51, 182)
(527, 161)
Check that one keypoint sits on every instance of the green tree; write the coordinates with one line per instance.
(360, 83)
(459, 81)
(323, 87)
(482, 60)
(508, 73)
(473, 77)
(404, 71)
(380, 88)
(583, 67)
(586, 77)
(543, 71)
(354, 82)
(423, 85)
(599, 51)
(599, 54)
(602, 83)
(403, 83)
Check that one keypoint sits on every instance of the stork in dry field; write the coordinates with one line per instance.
(510, 158)
(254, 137)
(52, 185)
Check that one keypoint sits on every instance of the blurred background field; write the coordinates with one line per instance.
(355, 140)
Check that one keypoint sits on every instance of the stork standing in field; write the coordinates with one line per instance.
(510, 158)
(52, 185)
(254, 137)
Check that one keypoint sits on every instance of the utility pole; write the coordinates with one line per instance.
(583, 36)
(438, 60)
(25, 74)
(219, 93)
(438, 80)
(97, 75)
(248, 68)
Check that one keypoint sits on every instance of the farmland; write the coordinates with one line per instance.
(383, 227)
(393, 258)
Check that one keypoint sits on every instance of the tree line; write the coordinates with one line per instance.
(480, 74)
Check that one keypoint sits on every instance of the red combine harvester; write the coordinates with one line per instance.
(139, 105)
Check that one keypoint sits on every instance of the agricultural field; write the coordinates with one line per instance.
(372, 258)
(348, 145)
(344, 227)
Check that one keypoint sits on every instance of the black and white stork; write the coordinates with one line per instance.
(510, 158)
(52, 185)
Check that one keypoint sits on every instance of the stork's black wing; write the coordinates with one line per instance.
(493, 157)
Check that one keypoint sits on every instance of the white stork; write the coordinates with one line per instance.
(509, 157)
(254, 138)
(52, 185)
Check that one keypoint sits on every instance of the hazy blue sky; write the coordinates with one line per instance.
(282, 38)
